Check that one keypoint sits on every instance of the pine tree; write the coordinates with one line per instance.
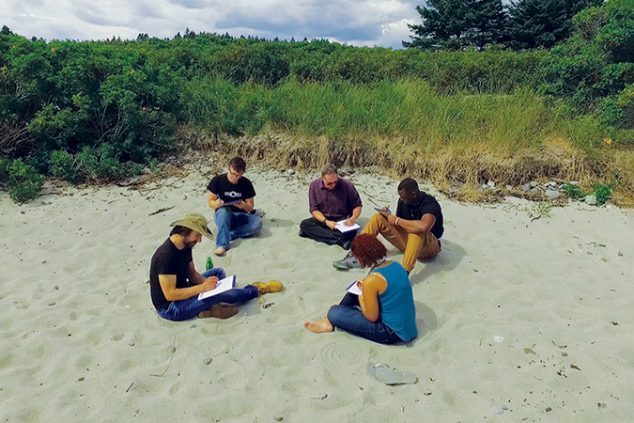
(488, 23)
(543, 23)
(455, 24)
(445, 23)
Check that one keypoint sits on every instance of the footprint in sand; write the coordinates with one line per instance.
(341, 354)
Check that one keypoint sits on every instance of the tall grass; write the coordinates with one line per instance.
(415, 113)
(408, 127)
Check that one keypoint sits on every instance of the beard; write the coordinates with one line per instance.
(190, 244)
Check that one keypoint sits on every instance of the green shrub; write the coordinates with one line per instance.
(618, 110)
(65, 165)
(91, 164)
(597, 60)
(603, 193)
(573, 191)
(22, 180)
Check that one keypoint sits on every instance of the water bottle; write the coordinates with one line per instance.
(209, 264)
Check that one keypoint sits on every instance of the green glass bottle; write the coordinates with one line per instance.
(209, 263)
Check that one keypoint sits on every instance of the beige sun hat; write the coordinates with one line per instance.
(196, 222)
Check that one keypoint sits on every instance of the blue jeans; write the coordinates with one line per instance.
(233, 225)
(189, 308)
(347, 316)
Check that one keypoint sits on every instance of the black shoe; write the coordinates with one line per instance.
(346, 244)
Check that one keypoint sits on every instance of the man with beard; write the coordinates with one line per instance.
(175, 283)
(415, 228)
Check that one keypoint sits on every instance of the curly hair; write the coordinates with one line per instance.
(368, 250)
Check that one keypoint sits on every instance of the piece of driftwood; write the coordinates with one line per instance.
(164, 209)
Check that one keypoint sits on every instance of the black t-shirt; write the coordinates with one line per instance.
(427, 204)
(168, 260)
(227, 191)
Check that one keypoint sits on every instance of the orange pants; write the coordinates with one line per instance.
(421, 246)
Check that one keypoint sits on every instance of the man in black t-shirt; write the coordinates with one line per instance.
(415, 229)
(231, 196)
(175, 283)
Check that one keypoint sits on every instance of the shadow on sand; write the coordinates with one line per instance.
(450, 256)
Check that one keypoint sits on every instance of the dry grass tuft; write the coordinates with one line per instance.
(455, 170)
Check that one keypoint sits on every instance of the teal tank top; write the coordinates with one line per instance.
(397, 302)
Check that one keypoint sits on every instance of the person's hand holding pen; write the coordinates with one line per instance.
(240, 204)
(385, 211)
(209, 283)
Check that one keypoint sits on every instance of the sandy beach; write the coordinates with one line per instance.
(520, 319)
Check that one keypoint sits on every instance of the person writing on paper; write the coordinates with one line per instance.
(384, 312)
(415, 228)
(332, 199)
(175, 283)
(231, 195)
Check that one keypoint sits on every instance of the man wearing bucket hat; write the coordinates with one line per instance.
(175, 283)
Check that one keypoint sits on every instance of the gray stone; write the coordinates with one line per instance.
(591, 200)
(552, 194)
(526, 187)
(533, 184)
(491, 184)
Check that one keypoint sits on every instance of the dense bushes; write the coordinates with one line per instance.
(90, 164)
(87, 111)
(594, 69)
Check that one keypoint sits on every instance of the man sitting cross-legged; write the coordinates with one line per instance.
(331, 199)
(415, 229)
(175, 283)
(231, 195)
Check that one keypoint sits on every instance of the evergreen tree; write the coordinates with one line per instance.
(488, 23)
(543, 23)
(455, 24)
(445, 23)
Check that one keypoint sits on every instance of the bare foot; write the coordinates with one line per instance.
(321, 326)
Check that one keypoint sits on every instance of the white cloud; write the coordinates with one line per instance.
(366, 22)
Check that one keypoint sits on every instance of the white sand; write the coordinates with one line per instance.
(518, 320)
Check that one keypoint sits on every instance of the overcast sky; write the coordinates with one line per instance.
(365, 22)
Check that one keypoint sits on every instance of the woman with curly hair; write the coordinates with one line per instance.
(385, 311)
